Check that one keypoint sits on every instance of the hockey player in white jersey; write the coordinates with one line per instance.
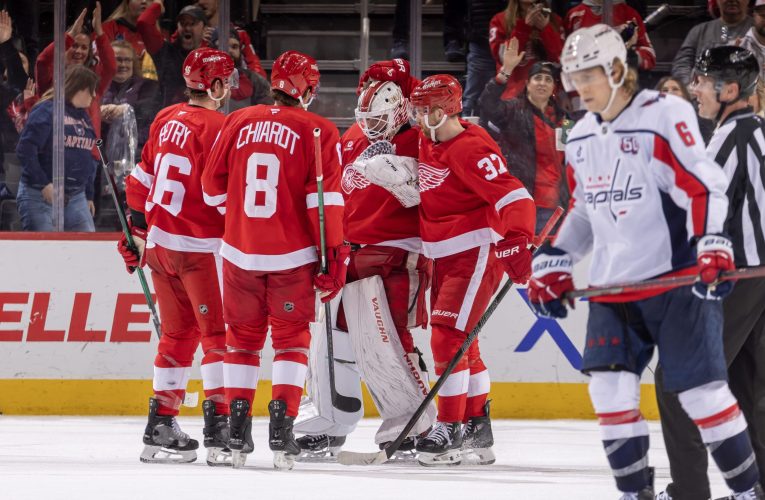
(647, 202)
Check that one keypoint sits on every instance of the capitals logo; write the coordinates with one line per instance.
(616, 192)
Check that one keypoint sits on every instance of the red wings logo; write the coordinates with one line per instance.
(431, 177)
(353, 179)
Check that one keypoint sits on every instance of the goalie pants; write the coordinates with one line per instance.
(463, 285)
(253, 301)
(744, 346)
(189, 300)
(405, 276)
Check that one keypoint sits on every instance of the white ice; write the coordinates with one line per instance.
(51, 458)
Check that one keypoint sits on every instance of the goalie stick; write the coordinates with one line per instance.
(379, 457)
(343, 403)
(129, 237)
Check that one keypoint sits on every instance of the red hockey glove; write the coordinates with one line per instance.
(133, 256)
(714, 255)
(550, 281)
(331, 283)
(515, 258)
(394, 70)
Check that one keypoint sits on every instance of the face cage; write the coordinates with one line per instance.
(382, 124)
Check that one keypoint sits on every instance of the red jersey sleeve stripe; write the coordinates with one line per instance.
(696, 190)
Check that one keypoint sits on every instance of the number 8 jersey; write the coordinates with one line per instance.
(166, 185)
(263, 170)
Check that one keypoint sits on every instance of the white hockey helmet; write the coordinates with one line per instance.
(382, 110)
(590, 47)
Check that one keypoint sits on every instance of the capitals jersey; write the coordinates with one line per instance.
(373, 216)
(166, 184)
(263, 170)
(467, 197)
(641, 187)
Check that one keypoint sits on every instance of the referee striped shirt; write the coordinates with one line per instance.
(738, 146)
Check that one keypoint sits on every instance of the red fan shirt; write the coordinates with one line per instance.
(263, 169)
(468, 198)
(166, 184)
(373, 216)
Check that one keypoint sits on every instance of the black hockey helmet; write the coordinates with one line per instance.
(728, 64)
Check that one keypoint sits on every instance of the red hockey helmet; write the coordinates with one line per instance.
(203, 66)
(293, 73)
(437, 91)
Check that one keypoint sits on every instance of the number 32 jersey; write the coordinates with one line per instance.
(641, 187)
(263, 170)
(166, 184)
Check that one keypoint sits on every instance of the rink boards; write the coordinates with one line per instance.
(76, 338)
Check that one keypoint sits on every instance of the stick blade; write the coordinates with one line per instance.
(356, 458)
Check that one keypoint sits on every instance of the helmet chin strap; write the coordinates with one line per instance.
(218, 99)
(614, 89)
(305, 104)
(435, 127)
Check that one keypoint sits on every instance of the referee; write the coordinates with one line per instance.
(724, 78)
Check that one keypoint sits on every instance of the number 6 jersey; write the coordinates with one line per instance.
(263, 170)
(166, 185)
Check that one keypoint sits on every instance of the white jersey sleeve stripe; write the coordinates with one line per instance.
(214, 201)
(512, 196)
(141, 176)
(330, 198)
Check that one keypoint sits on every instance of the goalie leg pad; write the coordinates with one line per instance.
(394, 380)
(316, 414)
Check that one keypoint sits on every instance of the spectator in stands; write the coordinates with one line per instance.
(626, 20)
(754, 40)
(455, 12)
(79, 51)
(525, 128)
(129, 88)
(241, 95)
(539, 33)
(26, 21)
(169, 56)
(35, 152)
(12, 85)
(121, 25)
(672, 85)
(733, 23)
(480, 63)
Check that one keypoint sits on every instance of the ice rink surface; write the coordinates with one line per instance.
(84, 458)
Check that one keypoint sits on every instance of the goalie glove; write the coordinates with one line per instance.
(396, 174)
(134, 256)
(332, 282)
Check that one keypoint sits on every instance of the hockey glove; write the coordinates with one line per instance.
(133, 256)
(515, 258)
(394, 70)
(714, 255)
(550, 280)
(332, 282)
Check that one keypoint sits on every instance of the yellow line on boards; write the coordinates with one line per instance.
(130, 397)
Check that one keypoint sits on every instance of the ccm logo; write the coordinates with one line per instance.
(507, 252)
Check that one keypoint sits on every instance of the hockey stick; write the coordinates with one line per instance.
(125, 229)
(379, 457)
(343, 403)
(653, 284)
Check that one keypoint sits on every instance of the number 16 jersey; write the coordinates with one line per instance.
(166, 184)
(263, 170)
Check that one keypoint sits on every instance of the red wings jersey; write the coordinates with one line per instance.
(166, 185)
(372, 215)
(263, 170)
(468, 198)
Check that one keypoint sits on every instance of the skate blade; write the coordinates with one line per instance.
(160, 455)
(219, 457)
(284, 460)
(478, 456)
(238, 459)
(447, 459)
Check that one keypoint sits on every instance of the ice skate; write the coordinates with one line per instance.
(216, 436)
(477, 440)
(755, 493)
(644, 494)
(442, 445)
(406, 452)
(281, 440)
(240, 432)
(164, 441)
(319, 448)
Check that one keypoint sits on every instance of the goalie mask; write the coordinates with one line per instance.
(382, 110)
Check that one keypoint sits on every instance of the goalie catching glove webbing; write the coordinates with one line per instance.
(396, 174)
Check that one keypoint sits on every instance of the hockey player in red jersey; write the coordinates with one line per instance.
(262, 170)
(476, 221)
(182, 236)
(385, 240)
